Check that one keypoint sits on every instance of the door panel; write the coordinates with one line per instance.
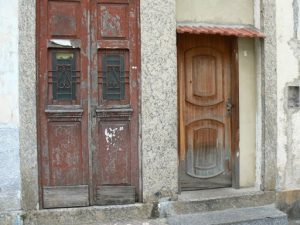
(88, 57)
(114, 101)
(205, 124)
(204, 76)
(205, 152)
(63, 113)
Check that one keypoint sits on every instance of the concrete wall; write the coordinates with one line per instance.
(9, 113)
(288, 74)
(247, 97)
(215, 11)
(288, 58)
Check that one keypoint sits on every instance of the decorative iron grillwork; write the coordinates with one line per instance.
(64, 75)
(113, 77)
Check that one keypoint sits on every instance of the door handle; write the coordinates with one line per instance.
(94, 114)
(229, 106)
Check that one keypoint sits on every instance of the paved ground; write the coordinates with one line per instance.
(135, 222)
(294, 222)
(163, 222)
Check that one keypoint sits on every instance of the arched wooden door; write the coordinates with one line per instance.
(88, 63)
(205, 102)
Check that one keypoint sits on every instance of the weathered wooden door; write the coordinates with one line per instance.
(205, 102)
(88, 63)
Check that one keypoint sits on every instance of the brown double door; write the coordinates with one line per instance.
(88, 68)
(206, 89)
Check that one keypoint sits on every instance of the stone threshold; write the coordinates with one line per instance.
(214, 200)
(266, 215)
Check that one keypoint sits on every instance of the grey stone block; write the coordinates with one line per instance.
(266, 215)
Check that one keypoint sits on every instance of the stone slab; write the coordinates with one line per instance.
(218, 194)
(213, 200)
(265, 215)
(131, 222)
(89, 215)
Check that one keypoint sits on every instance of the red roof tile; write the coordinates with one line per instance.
(221, 30)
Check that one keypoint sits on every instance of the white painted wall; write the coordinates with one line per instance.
(288, 154)
(215, 11)
(9, 111)
(247, 104)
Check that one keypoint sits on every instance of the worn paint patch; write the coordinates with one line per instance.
(112, 137)
(288, 176)
(110, 23)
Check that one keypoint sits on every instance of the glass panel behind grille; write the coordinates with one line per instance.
(64, 75)
(113, 77)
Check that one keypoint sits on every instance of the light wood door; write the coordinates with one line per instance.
(88, 65)
(205, 102)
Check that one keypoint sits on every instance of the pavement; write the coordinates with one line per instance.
(133, 222)
(294, 222)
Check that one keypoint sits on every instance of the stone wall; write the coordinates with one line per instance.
(159, 99)
(27, 99)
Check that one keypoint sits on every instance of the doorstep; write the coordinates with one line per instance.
(89, 215)
(215, 199)
(263, 215)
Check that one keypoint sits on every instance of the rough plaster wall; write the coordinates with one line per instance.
(269, 92)
(9, 117)
(247, 97)
(27, 87)
(215, 11)
(288, 159)
(159, 99)
(259, 100)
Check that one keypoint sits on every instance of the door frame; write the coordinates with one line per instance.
(235, 137)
